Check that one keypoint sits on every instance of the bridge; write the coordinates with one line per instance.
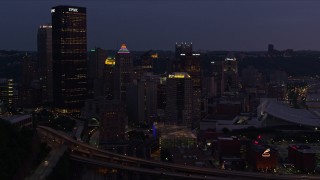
(84, 153)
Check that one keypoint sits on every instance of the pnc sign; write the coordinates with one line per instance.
(73, 9)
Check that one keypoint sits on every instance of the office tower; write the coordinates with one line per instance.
(124, 66)
(252, 78)
(162, 93)
(217, 72)
(113, 121)
(111, 116)
(179, 107)
(97, 59)
(45, 61)
(183, 49)
(109, 78)
(151, 61)
(30, 90)
(147, 61)
(150, 98)
(134, 104)
(69, 43)
(190, 62)
(231, 79)
(270, 48)
(28, 70)
(160, 65)
(8, 92)
(192, 67)
(142, 99)
(96, 65)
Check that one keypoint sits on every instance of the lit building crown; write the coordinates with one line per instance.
(179, 75)
(154, 56)
(110, 61)
(123, 49)
(230, 57)
(46, 26)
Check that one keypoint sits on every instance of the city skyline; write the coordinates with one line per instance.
(142, 25)
(74, 110)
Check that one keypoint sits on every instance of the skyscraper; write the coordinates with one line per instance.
(179, 107)
(8, 92)
(113, 121)
(29, 91)
(124, 66)
(188, 61)
(183, 49)
(69, 43)
(45, 61)
(217, 72)
(231, 78)
(109, 78)
(142, 101)
(270, 48)
(112, 117)
(96, 64)
(97, 59)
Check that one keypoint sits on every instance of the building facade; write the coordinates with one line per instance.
(109, 78)
(231, 78)
(69, 43)
(8, 92)
(111, 116)
(142, 99)
(186, 60)
(179, 92)
(96, 67)
(45, 61)
(124, 68)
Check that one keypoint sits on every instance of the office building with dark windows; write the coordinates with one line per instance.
(179, 104)
(45, 61)
(231, 77)
(8, 92)
(142, 99)
(183, 49)
(124, 66)
(189, 61)
(69, 43)
(96, 62)
(109, 78)
(29, 90)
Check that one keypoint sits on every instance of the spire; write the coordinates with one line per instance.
(123, 49)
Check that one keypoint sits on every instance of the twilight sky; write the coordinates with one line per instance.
(158, 24)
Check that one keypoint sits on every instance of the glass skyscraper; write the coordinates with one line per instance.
(69, 45)
(45, 61)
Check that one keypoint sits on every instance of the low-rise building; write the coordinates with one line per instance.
(262, 157)
(303, 156)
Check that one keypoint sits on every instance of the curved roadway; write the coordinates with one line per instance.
(149, 164)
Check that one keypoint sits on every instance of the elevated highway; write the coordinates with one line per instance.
(85, 153)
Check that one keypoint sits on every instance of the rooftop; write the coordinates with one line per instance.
(123, 49)
(306, 149)
(16, 118)
(179, 75)
(282, 111)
